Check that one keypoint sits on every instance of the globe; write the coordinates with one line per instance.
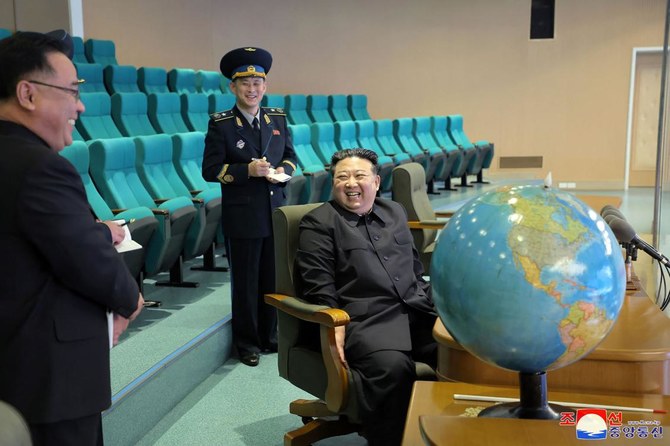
(527, 278)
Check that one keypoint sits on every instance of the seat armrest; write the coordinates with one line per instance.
(160, 200)
(319, 314)
(198, 200)
(195, 192)
(118, 211)
(426, 224)
(160, 212)
(444, 214)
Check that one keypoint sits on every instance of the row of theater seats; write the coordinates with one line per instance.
(155, 183)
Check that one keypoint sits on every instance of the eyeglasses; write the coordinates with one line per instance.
(73, 91)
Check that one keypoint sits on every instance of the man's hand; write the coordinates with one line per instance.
(121, 323)
(259, 168)
(117, 231)
(339, 343)
(277, 170)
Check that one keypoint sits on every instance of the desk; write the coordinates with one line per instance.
(633, 358)
(440, 420)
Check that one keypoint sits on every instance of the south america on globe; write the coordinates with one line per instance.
(528, 278)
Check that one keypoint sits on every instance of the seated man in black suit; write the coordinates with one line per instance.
(59, 272)
(356, 253)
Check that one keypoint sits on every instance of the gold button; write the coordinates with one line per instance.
(228, 178)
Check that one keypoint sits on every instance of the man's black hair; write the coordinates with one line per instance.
(24, 53)
(358, 153)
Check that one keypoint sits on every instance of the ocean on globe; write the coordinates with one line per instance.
(528, 278)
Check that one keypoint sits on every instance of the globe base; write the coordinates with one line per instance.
(533, 403)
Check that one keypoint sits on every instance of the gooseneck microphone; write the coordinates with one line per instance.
(625, 234)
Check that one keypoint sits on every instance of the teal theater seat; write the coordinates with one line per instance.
(195, 111)
(115, 175)
(365, 133)
(296, 109)
(483, 149)
(129, 112)
(100, 51)
(337, 107)
(92, 74)
(384, 136)
(97, 122)
(181, 80)
(402, 131)
(439, 131)
(274, 101)
(152, 80)
(157, 172)
(121, 79)
(323, 141)
(78, 55)
(318, 185)
(358, 106)
(450, 155)
(219, 102)
(208, 82)
(346, 137)
(141, 221)
(317, 108)
(165, 113)
(4, 33)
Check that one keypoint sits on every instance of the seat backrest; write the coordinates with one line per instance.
(317, 108)
(208, 82)
(402, 131)
(302, 144)
(92, 73)
(77, 154)
(323, 140)
(181, 80)
(164, 111)
(121, 79)
(79, 54)
(113, 171)
(129, 111)
(409, 189)
(456, 133)
(337, 106)
(421, 130)
(365, 129)
(345, 135)
(219, 102)
(4, 33)
(274, 101)
(187, 154)
(296, 109)
(97, 122)
(100, 51)
(439, 129)
(358, 106)
(286, 224)
(195, 111)
(384, 133)
(155, 168)
(152, 80)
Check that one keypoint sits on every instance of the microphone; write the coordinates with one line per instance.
(625, 234)
(613, 211)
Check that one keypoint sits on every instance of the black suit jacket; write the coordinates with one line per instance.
(372, 273)
(59, 274)
(230, 146)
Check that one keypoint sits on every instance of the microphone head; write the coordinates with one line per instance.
(605, 208)
(612, 211)
(609, 217)
(622, 230)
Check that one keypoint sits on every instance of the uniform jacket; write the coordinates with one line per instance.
(59, 274)
(230, 146)
(373, 274)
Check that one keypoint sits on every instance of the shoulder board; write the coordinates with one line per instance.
(220, 116)
(274, 111)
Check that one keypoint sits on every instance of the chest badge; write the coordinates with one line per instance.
(240, 144)
(276, 132)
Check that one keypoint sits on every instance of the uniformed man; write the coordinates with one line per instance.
(248, 150)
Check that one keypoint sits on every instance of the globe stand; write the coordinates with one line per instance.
(533, 403)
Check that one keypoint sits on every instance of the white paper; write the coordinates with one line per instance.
(281, 177)
(127, 244)
(110, 328)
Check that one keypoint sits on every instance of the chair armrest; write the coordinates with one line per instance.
(198, 200)
(160, 212)
(426, 224)
(319, 314)
(195, 192)
(160, 200)
(444, 214)
(118, 211)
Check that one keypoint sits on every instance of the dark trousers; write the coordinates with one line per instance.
(384, 381)
(86, 431)
(252, 276)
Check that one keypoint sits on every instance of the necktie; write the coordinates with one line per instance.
(254, 124)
